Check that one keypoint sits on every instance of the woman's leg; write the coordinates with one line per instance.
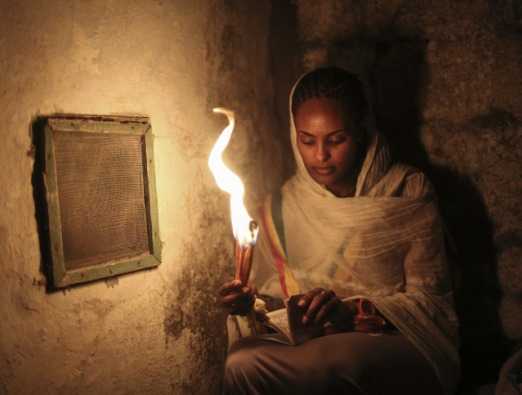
(256, 367)
(346, 363)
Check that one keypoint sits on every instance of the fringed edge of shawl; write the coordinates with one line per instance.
(287, 280)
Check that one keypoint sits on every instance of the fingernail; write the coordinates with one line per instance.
(245, 289)
(301, 303)
(305, 319)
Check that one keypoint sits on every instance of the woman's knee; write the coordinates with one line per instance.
(242, 369)
(240, 361)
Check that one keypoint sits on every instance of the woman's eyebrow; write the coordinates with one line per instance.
(328, 134)
(337, 131)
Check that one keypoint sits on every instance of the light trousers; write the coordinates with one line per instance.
(344, 363)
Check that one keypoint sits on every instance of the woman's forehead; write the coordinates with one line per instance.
(321, 113)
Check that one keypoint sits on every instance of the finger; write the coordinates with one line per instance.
(225, 288)
(253, 289)
(244, 293)
(326, 309)
(308, 297)
(316, 303)
(232, 298)
(247, 290)
(229, 286)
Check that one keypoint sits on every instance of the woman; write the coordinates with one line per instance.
(349, 229)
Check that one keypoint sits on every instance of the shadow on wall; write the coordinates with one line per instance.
(37, 130)
(398, 76)
(285, 70)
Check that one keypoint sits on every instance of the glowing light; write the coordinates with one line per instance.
(244, 228)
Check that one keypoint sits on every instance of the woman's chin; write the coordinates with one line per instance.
(334, 185)
(326, 181)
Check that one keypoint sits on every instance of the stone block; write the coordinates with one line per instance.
(510, 269)
(511, 317)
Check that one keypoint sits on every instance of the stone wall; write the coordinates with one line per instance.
(445, 78)
(149, 332)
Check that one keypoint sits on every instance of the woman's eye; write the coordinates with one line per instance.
(307, 141)
(337, 140)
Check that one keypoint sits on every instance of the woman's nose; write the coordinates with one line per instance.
(321, 153)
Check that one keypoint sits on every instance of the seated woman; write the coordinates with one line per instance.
(350, 229)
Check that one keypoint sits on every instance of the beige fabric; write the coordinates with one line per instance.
(345, 363)
(385, 244)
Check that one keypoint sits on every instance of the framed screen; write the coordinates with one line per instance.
(101, 197)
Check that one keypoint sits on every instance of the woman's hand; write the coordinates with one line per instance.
(321, 305)
(237, 298)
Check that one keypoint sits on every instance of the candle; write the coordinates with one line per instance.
(243, 258)
(244, 228)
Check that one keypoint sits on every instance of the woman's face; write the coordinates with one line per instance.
(327, 143)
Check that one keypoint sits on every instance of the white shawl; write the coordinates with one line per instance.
(385, 244)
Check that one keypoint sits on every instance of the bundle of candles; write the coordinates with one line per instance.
(243, 256)
(245, 229)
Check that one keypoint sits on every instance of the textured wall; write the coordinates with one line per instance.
(156, 331)
(446, 78)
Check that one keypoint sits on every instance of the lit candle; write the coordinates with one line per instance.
(244, 227)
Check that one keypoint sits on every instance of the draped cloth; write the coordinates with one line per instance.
(385, 244)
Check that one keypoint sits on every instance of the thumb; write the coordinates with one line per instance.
(253, 288)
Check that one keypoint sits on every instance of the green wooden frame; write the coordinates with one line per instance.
(62, 277)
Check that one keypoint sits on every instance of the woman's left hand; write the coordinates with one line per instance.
(321, 305)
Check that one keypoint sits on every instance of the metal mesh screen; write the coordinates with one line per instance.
(101, 190)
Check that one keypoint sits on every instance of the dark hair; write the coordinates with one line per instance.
(332, 83)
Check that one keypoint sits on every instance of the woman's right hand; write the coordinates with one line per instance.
(237, 298)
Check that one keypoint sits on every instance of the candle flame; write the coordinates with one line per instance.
(243, 227)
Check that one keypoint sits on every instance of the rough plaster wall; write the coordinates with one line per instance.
(154, 331)
(446, 79)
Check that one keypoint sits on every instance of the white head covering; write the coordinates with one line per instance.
(377, 160)
(319, 226)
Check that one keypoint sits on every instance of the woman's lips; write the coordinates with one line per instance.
(324, 171)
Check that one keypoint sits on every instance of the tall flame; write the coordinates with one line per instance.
(242, 224)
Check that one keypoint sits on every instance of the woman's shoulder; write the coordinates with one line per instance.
(403, 180)
(416, 184)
